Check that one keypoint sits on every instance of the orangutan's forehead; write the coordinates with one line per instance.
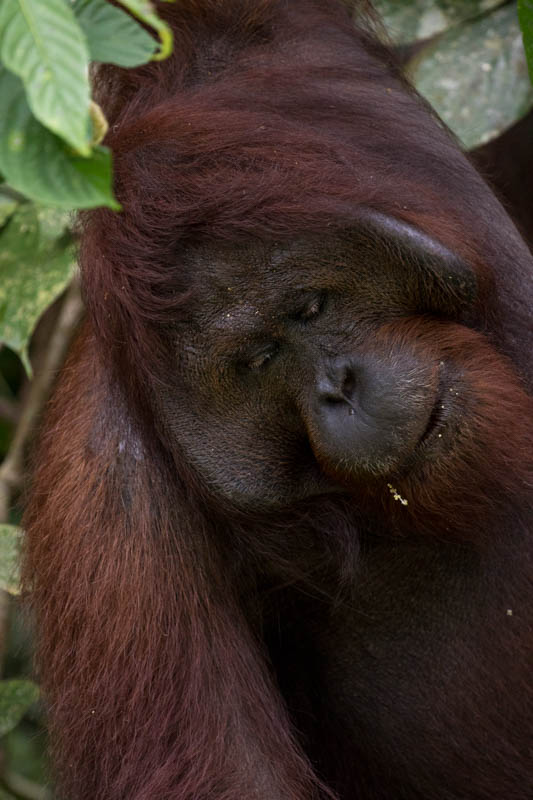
(285, 264)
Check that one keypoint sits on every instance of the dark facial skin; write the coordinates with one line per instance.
(293, 375)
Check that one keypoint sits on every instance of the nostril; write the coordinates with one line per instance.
(338, 386)
(348, 386)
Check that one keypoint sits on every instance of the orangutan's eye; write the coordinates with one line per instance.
(263, 357)
(311, 310)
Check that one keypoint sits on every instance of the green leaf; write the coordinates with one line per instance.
(25, 753)
(10, 537)
(144, 11)
(41, 42)
(99, 124)
(40, 165)
(475, 76)
(53, 223)
(112, 35)
(16, 696)
(409, 21)
(525, 17)
(33, 272)
(7, 206)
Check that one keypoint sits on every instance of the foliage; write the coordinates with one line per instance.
(45, 49)
(10, 537)
(26, 287)
(525, 16)
(16, 696)
(50, 133)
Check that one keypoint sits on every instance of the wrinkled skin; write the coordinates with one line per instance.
(300, 381)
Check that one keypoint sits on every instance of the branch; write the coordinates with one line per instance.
(12, 468)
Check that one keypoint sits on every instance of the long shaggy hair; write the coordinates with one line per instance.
(270, 119)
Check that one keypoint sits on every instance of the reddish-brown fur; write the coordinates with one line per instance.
(270, 119)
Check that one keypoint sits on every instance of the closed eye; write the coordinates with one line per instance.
(310, 310)
(260, 359)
